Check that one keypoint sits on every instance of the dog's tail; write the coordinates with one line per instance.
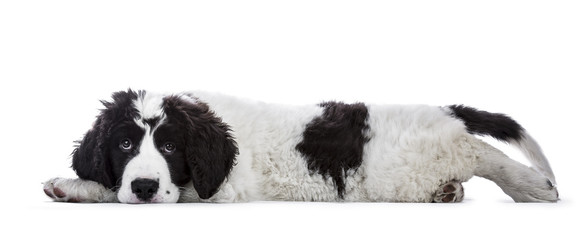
(505, 129)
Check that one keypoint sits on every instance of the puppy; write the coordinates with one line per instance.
(148, 147)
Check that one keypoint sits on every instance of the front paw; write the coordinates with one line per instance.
(77, 190)
(56, 189)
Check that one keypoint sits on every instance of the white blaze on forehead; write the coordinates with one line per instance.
(150, 106)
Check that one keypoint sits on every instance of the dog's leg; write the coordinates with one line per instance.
(77, 190)
(450, 192)
(520, 182)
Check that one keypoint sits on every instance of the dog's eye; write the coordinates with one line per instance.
(169, 148)
(126, 145)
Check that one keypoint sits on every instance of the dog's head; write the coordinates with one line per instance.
(147, 146)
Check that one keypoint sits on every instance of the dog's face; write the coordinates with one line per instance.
(147, 146)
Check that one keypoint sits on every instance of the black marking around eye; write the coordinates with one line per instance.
(333, 143)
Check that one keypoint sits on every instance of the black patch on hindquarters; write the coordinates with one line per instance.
(496, 125)
(333, 143)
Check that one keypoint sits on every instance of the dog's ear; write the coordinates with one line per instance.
(90, 158)
(210, 148)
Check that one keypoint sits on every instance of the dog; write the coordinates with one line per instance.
(148, 147)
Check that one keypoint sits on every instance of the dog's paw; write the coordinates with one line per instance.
(536, 191)
(58, 189)
(450, 192)
(77, 190)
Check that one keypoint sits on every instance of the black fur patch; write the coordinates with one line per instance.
(333, 142)
(496, 125)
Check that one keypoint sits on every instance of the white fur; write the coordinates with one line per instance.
(149, 106)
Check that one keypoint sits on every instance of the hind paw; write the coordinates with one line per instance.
(541, 190)
(450, 192)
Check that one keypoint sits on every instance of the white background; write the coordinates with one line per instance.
(524, 58)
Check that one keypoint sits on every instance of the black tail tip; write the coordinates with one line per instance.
(496, 125)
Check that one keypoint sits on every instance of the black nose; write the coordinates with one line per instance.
(144, 188)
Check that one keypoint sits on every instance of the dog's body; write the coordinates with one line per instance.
(208, 147)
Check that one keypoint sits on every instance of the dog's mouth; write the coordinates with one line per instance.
(155, 199)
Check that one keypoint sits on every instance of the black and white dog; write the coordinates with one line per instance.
(203, 147)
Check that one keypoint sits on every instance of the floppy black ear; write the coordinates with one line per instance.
(90, 159)
(210, 148)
